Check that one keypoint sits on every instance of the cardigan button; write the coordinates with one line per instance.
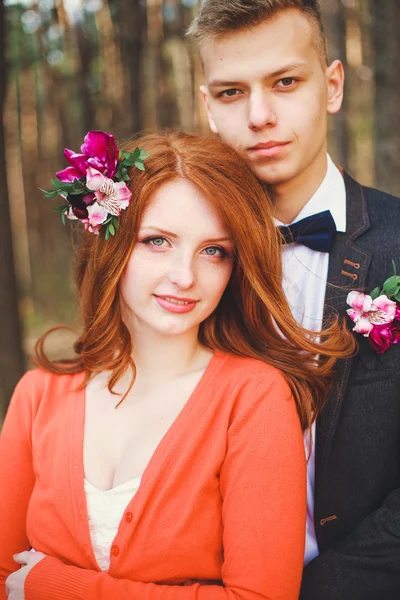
(128, 517)
(114, 550)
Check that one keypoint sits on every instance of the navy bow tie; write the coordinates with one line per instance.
(315, 232)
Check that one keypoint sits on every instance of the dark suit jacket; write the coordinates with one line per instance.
(357, 478)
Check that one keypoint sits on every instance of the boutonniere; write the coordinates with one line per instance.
(377, 316)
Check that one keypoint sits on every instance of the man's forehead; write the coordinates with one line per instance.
(228, 71)
(287, 39)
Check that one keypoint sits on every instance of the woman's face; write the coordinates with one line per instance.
(180, 264)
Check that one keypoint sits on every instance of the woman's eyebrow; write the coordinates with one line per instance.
(174, 235)
(215, 240)
(159, 230)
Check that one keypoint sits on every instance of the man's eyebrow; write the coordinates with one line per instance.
(220, 83)
(214, 83)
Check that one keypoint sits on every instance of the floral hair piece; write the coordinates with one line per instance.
(94, 183)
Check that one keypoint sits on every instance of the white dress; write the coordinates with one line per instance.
(105, 510)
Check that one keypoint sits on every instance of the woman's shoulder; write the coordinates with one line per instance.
(252, 386)
(40, 379)
(248, 369)
(37, 384)
(250, 376)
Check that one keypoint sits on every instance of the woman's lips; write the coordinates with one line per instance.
(176, 305)
(269, 149)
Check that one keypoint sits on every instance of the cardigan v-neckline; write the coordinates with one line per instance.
(158, 458)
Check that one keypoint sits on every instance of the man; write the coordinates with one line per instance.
(268, 91)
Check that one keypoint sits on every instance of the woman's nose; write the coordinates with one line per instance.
(182, 272)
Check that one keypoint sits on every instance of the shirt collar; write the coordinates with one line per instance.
(331, 195)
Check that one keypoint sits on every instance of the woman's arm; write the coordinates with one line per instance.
(263, 487)
(16, 478)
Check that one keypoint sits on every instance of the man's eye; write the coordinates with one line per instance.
(228, 93)
(286, 81)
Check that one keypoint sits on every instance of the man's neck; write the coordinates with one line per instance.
(290, 197)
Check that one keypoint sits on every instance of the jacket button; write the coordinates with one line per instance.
(114, 550)
(128, 517)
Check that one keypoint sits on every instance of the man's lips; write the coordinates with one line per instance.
(271, 148)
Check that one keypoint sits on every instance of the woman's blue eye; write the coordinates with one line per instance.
(215, 251)
(157, 241)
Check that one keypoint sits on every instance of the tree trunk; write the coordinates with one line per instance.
(386, 23)
(132, 27)
(11, 352)
(334, 19)
(86, 55)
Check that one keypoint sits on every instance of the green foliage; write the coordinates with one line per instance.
(65, 189)
(391, 287)
(112, 226)
(135, 159)
(375, 293)
(63, 209)
(78, 187)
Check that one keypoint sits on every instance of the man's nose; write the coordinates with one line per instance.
(261, 112)
(182, 272)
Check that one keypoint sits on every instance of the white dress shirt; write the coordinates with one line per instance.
(305, 274)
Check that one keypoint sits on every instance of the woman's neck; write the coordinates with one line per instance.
(164, 357)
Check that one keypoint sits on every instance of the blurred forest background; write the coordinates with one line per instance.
(68, 66)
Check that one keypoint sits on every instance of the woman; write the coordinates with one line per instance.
(166, 461)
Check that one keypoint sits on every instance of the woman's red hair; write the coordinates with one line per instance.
(253, 318)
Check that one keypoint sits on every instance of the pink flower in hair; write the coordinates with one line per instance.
(99, 150)
(93, 186)
(113, 196)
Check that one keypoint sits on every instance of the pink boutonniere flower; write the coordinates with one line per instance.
(377, 316)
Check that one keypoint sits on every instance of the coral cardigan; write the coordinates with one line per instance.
(219, 514)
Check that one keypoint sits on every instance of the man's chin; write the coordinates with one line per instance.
(271, 174)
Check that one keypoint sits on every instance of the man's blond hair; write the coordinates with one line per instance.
(218, 18)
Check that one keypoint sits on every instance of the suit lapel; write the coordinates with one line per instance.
(348, 269)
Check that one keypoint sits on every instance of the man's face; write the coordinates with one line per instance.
(268, 93)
